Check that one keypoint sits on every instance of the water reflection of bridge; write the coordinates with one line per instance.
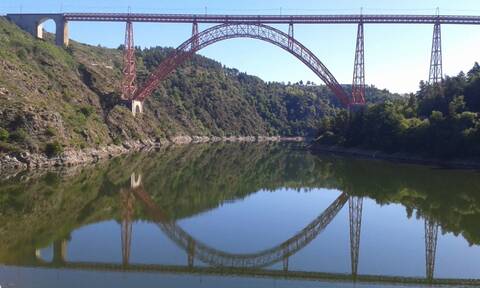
(224, 263)
(217, 258)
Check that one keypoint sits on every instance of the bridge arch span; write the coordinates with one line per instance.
(219, 258)
(40, 25)
(241, 30)
(33, 24)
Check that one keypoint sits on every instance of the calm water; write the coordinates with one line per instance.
(239, 215)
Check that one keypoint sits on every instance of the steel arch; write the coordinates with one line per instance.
(241, 30)
(218, 258)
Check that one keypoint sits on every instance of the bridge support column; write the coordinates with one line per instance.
(128, 202)
(135, 181)
(431, 233)
(61, 36)
(60, 251)
(191, 252)
(285, 259)
(290, 36)
(355, 205)
(358, 86)
(137, 107)
(436, 72)
(285, 264)
(129, 85)
(195, 40)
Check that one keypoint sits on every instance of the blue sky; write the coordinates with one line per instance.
(397, 56)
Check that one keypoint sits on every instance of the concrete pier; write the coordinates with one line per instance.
(137, 107)
(33, 24)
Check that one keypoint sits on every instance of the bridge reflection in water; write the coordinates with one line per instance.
(252, 264)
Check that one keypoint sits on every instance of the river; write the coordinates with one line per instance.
(240, 215)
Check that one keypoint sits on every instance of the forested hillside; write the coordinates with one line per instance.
(440, 120)
(53, 97)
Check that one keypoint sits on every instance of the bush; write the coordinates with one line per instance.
(22, 54)
(4, 134)
(53, 149)
(87, 111)
(50, 132)
(19, 135)
(8, 148)
(117, 141)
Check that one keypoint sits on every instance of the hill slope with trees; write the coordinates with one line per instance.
(53, 98)
(439, 121)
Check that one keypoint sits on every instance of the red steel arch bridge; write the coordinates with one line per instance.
(245, 26)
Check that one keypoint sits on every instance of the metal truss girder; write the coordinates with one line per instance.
(229, 31)
(129, 86)
(358, 84)
(263, 258)
(127, 200)
(436, 71)
(431, 234)
(273, 19)
(355, 205)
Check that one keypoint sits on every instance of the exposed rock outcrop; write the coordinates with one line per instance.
(72, 157)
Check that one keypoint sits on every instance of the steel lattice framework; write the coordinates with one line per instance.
(229, 31)
(358, 86)
(128, 200)
(274, 19)
(355, 205)
(195, 42)
(436, 73)
(245, 26)
(431, 233)
(129, 86)
(218, 258)
(254, 26)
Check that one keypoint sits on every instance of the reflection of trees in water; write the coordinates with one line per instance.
(449, 197)
(192, 179)
(188, 180)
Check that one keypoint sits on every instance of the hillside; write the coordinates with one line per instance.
(53, 98)
(441, 121)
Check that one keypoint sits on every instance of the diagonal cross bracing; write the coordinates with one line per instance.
(230, 31)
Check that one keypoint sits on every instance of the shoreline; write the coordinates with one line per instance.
(395, 157)
(10, 163)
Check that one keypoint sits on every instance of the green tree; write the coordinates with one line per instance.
(4, 134)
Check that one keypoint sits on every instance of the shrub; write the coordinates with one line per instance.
(87, 111)
(117, 141)
(50, 132)
(53, 149)
(8, 148)
(22, 54)
(4, 134)
(19, 135)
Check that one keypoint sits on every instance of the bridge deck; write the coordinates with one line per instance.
(270, 19)
(261, 273)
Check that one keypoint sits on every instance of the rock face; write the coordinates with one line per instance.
(8, 163)
(181, 139)
(71, 157)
